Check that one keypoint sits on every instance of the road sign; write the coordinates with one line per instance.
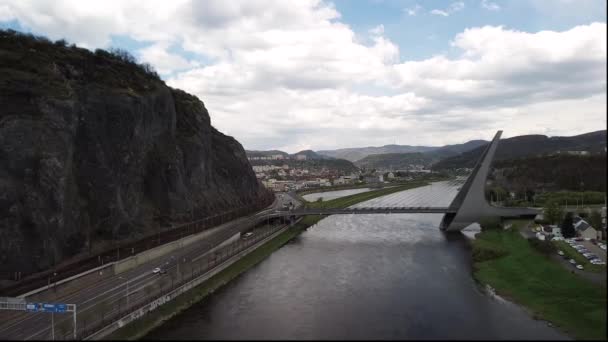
(51, 307)
(33, 307)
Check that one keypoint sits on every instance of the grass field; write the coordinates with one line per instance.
(573, 304)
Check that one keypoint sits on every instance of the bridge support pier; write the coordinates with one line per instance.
(470, 204)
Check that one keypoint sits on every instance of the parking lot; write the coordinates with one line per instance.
(594, 249)
(588, 250)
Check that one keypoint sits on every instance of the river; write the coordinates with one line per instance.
(391, 276)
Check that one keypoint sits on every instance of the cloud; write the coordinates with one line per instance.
(163, 61)
(440, 12)
(412, 11)
(490, 6)
(292, 75)
(378, 30)
(454, 7)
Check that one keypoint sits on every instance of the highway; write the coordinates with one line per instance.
(108, 295)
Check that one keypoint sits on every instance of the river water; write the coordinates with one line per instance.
(391, 276)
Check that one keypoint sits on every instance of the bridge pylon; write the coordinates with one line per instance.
(470, 205)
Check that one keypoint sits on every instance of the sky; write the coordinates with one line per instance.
(314, 74)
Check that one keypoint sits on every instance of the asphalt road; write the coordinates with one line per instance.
(109, 294)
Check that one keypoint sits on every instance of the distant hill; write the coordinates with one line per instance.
(527, 146)
(314, 161)
(264, 153)
(395, 161)
(310, 154)
(357, 153)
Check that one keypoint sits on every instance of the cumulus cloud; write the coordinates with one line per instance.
(293, 75)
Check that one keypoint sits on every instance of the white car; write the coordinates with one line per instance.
(580, 267)
(572, 261)
(603, 247)
(597, 262)
(560, 252)
(156, 270)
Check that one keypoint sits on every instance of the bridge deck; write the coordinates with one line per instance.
(377, 210)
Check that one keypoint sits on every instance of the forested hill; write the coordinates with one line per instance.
(529, 145)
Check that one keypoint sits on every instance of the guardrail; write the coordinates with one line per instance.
(122, 251)
(215, 263)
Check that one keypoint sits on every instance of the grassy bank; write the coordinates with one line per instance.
(156, 318)
(334, 188)
(346, 201)
(507, 262)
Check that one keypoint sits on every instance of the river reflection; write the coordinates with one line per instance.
(394, 276)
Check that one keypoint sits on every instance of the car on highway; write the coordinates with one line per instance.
(156, 270)
(248, 234)
(580, 267)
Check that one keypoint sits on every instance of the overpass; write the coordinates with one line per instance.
(469, 205)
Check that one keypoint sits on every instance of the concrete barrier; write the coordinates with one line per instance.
(157, 252)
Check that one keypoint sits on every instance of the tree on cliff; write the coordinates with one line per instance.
(568, 226)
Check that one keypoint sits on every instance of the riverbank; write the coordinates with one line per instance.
(347, 201)
(504, 260)
(156, 318)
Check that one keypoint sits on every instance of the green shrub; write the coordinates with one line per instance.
(485, 250)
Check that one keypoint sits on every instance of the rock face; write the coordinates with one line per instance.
(93, 147)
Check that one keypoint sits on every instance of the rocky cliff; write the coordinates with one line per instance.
(95, 147)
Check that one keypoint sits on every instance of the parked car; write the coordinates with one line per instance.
(560, 253)
(580, 267)
(572, 261)
(598, 262)
(603, 247)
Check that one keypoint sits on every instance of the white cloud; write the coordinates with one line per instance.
(439, 12)
(490, 6)
(413, 10)
(454, 7)
(378, 30)
(457, 6)
(292, 74)
(163, 61)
